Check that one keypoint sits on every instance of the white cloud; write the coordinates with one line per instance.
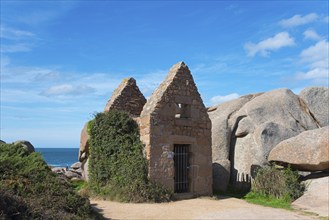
(68, 89)
(14, 34)
(317, 59)
(311, 35)
(264, 47)
(316, 55)
(220, 99)
(298, 20)
(313, 74)
(15, 48)
(326, 19)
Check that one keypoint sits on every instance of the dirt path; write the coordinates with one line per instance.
(200, 208)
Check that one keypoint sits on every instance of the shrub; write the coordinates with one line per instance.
(280, 184)
(30, 190)
(118, 168)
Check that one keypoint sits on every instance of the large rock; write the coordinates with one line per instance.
(316, 198)
(308, 151)
(85, 172)
(245, 130)
(317, 100)
(76, 165)
(26, 144)
(221, 137)
(84, 144)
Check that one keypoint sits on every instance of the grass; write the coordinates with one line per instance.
(79, 185)
(256, 198)
(268, 201)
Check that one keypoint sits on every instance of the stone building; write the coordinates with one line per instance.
(127, 97)
(176, 131)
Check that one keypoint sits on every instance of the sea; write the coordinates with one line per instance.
(59, 157)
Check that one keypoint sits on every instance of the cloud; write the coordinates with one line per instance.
(317, 59)
(264, 47)
(326, 19)
(313, 74)
(316, 55)
(220, 99)
(14, 34)
(311, 35)
(15, 48)
(298, 20)
(68, 89)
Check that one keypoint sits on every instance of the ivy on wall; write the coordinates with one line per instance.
(117, 166)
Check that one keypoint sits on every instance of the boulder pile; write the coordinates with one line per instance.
(245, 130)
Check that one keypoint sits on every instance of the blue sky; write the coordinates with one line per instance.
(61, 60)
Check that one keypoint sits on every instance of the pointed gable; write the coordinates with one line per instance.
(178, 87)
(127, 97)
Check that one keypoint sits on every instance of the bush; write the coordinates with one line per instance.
(118, 168)
(280, 184)
(30, 190)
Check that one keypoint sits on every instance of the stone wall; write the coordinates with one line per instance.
(175, 114)
(127, 97)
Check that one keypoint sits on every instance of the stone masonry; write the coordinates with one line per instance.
(127, 97)
(174, 116)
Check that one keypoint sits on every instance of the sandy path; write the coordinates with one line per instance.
(200, 208)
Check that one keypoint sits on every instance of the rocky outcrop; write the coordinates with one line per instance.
(308, 151)
(316, 198)
(244, 131)
(222, 126)
(72, 173)
(317, 100)
(127, 97)
(84, 151)
(2, 142)
(26, 144)
(84, 144)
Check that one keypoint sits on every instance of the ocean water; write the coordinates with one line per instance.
(59, 157)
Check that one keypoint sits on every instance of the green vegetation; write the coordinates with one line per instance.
(269, 201)
(275, 188)
(117, 166)
(30, 190)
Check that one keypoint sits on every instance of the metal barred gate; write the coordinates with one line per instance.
(181, 162)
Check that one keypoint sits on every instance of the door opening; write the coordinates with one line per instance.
(181, 162)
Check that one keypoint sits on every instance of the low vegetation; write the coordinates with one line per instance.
(117, 166)
(275, 188)
(30, 190)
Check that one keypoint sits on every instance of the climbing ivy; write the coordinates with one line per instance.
(118, 168)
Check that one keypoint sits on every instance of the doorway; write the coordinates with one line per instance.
(181, 163)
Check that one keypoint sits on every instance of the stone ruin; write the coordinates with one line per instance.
(175, 128)
(127, 97)
(176, 131)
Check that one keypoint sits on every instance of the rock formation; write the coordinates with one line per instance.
(308, 151)
(317, 100)
(316, 198)
(26, 144)
(244, 131)
(74, 172)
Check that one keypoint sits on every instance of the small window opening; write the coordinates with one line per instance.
(183, 110)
